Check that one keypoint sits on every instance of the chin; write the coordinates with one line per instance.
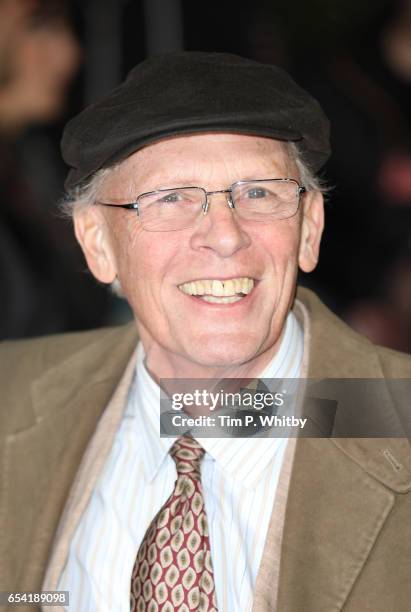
(225, 352)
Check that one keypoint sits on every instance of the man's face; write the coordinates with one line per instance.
(153, 266)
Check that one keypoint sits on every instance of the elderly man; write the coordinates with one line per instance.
(192, 190)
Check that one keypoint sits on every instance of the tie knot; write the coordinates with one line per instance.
(187, 454)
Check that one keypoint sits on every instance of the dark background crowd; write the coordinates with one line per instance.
(354, 56)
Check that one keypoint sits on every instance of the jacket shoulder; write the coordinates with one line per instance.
(393, 363)
(29, 358)
(337, 351)
(22, 362)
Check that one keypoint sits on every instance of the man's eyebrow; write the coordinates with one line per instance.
(174, 183)
(161, 181)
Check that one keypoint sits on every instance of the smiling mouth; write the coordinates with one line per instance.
(219, 291)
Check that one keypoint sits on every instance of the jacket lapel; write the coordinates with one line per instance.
(341, 490)
(52, 449)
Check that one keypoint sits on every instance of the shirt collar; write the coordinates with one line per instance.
(245, 459)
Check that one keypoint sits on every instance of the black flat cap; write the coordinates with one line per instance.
(189, 92)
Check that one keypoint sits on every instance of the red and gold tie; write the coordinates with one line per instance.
(173, 569)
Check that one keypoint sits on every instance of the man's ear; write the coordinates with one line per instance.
(91, 232)
(311, 230)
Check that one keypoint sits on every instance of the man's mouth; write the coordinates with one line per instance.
(219, 291)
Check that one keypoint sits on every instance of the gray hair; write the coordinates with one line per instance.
(307, 177)
(86, 194)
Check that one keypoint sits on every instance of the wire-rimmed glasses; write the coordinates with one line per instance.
(179, 208)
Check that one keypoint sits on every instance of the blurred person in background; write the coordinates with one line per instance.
(43, 286)
(365, 83)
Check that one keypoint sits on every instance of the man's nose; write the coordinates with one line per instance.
(220, 229)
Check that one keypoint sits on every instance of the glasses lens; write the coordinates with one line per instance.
(266, 199)
(171, 209)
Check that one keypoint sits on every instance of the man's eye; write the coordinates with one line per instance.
(256, 193)
(170, 198)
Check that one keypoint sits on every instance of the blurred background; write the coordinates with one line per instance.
(354, 56)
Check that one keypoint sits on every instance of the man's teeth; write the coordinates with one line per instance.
(218, 291)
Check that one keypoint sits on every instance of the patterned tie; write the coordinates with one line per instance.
(173, 569)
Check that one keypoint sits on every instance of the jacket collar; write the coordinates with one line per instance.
(337, 352)
(99, 362)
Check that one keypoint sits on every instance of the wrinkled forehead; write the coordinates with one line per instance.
(209, 160)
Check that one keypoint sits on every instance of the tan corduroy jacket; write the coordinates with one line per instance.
(346, 539)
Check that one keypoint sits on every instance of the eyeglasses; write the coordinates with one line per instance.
(260, 200)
